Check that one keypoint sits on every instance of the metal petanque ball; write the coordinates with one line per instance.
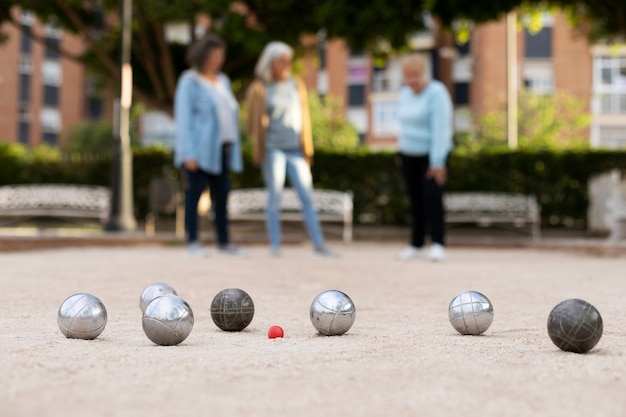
(575, 326)
(168, 320)
(153, 291)
(82, 316)
(332, 313)
(470, 313)
(232, 310)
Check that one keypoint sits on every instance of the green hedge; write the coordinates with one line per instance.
(558, 178)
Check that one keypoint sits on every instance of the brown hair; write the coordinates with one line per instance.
(200, 50)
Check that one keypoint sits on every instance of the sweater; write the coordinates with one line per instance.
(425, 123)
(198, 134)
(258, 120)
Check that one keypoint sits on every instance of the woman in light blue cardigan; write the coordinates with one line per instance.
(207, 140)
(425, 140)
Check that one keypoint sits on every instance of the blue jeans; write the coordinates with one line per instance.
(219, 187)
(292, 163)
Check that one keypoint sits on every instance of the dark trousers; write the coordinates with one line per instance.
(219, 187)
(426, 200)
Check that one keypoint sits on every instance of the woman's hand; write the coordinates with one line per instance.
(438, 174)
(191, 165)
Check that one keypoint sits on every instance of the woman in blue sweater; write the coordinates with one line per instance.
(207, 140)
(425, 113)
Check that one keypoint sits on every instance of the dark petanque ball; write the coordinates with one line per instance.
(232, 309)
(575, 326)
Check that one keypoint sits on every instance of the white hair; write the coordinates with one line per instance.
(271, 52)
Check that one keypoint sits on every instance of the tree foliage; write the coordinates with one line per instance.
(556, 121)
(331, 130)
(247, 25)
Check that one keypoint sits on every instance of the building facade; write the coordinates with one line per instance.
(43, 93)
(555, 58)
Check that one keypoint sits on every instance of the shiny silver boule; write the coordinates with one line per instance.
(470, 312)
(82, 316)
(332, 313)
(153, 291)
(167, 320)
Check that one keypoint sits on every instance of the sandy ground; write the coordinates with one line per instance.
(401, 357)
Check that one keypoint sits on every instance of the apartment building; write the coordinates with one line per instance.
(555, 58)
(43, 94)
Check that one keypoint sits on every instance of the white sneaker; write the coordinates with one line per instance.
(324, 252)
(231, 249)
(275, 252)
(410, 252)
(196, 250)
(437, 252)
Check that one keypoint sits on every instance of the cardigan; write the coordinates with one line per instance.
(197, 128)
(257, 120)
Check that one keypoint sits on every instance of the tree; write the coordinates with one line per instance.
(544, 122)
(331, 130)
(247, 25)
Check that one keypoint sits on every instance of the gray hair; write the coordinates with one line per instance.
(271, 53)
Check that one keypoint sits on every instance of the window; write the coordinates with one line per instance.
(51, 72)
(24, 88)
(50, 120)
(51, 138)
(463, 49)
(23, 129)
(384, 116)
(461, 93)
(538, 75)
(388, 78)
(50, 96)
(611, 71)
(538, 45)
(609, 85)
(613, 137)
(52, 48)
(322, 55)
(24, 114)
(27, 18)
(25, 66)
(26, 45)
(356, 95)
(94, 107)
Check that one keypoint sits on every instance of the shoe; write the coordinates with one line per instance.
(196, 250)
(274, 252)
(410, 252)
(324, 252)
(437, 252)
(230, 249)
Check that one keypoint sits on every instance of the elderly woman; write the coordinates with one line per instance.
(280, 126)
(207, 140)
(425, 113)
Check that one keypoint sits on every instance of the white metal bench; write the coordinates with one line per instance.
(616, 206)
(487, 208)
(331, 206)
(66, 201)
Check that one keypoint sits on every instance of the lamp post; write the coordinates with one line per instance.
(511, 79)
(121, 213)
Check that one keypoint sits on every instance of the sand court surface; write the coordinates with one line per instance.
(401, 357)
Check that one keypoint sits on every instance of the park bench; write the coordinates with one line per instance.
(616, 206)
(63, 201)
(331, 205)
(249, 204)
(494, 208)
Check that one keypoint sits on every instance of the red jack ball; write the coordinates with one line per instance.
(275, 332)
